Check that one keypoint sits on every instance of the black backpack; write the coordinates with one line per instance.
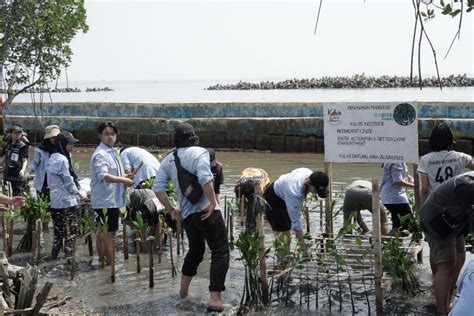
(188, 182)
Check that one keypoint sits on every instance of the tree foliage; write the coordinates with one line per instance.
(35, 40)
(426, 10)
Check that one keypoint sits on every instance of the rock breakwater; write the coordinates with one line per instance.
(355, 82)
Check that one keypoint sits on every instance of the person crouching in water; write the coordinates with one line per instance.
(201, 220)
(285, 197)
(64, 193)
(108, 188)
(358, 196)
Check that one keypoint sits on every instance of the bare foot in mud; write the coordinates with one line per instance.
(184, 290)
(215, 305)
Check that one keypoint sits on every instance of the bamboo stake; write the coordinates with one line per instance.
(89, 244)
(160, 242)
(306, 216)
(39, 230)
(10, 225)
(34, 244)
(376, 233)
(173, 268)
(4, 232)
(416, 189)
(112, 264)
(321, 215)
(41, 298)
(263, 263)
(137, 249)
(231, 231)
(178, 236)
(329, 221)
(242, 209)
(125, 240)
(151, 247)
(225, 207)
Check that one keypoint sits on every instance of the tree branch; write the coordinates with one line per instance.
(317, 19)
(413, 42)
(458, 33)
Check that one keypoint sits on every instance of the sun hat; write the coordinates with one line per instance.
(51, 131)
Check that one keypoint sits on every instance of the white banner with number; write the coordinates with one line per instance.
(370, 132)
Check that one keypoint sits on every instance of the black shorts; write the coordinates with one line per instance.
(111, 217)
(278, 215)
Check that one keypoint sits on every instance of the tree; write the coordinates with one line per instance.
(34, 41)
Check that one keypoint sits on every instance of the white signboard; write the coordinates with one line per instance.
(370, 132)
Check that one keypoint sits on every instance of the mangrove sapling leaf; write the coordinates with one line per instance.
(413, 224)
(148, 184)
(87, 225)
(233, 207)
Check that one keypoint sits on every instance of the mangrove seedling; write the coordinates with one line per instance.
(253, 296)
(413, 224)
(86, 227)
(397, 263)
(35, 208)
(139, 226)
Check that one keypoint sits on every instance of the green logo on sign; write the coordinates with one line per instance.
(404, 114)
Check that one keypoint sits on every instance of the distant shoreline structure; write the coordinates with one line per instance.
(62, 90)
(355, 82)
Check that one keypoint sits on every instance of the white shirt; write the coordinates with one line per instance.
(442, 165)
(291, 188)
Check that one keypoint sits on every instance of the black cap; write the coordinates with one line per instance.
(66, 137)
(184, 131)
(16, 128)
(320, 181)
(441, 138)
(184, 135)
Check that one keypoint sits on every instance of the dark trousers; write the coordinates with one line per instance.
(397, 211)
(61, 219)
(213, 231)
(18, 187)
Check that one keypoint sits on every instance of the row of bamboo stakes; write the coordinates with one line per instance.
(7, 225)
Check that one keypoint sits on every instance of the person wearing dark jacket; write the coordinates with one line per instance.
(16, 159)
(446, 216)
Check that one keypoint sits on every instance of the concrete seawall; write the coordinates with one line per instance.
(289, 126)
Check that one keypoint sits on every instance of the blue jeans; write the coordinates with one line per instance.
(213, 231)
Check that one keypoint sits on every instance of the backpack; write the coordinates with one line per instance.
(188, 182)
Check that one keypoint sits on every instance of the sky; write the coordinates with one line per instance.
(189, 40)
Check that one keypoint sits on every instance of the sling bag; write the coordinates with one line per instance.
(188, 182)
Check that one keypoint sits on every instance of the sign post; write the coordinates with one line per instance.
(385, 132)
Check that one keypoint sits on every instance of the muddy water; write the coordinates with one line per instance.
(92, 290)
